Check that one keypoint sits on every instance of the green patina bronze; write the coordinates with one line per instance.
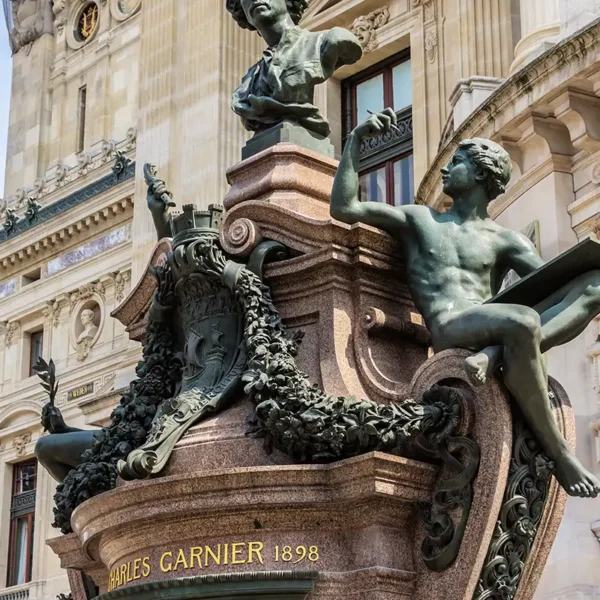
(281, 86)
(456, 262)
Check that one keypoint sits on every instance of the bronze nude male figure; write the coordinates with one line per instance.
(281, 86)
(455, 263)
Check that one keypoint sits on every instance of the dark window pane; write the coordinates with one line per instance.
(402, 84)
(369, 96)
(26, 479)
(404, 192)
(373, 186)
(37, 346)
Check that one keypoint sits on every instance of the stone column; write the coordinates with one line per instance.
(192, 57)
(540, 28)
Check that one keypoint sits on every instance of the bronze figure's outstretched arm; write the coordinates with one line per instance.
(345, 201)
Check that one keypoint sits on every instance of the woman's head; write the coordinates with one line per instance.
(246, 11)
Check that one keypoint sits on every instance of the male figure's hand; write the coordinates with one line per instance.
(377, 124)
(52, 419)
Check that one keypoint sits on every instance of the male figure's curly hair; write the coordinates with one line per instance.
(296, 9)
(493, 160)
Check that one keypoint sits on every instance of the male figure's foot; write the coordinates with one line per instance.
(481, 366)
(573, 478)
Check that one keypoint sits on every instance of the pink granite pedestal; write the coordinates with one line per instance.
(225, 510)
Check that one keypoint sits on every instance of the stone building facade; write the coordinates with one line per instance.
(102, 86)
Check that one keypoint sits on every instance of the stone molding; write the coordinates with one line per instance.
(46, 244)
(571, 56)
(61, 174)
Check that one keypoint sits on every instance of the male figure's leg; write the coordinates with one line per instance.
(517, 329)
(564, 315)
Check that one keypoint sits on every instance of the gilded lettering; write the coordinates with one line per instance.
(196, 554)
(137, 563)
(181, 560)
(163, 567)
(236, 550)
(146, 568)
(123, 574)
(216, 558)
(226, 558)
(255, 548)
(129, 577)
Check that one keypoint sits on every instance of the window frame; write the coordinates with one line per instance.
(17, 514)
(379, 153)
(32, 335)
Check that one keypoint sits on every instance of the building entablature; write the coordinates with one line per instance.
(546, 116)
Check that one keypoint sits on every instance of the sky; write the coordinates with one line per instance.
(5, 77)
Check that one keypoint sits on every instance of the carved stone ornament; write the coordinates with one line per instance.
(365, 27)
(10, 329)
(20, 443)
(30, 19)
(120, 279)
(428, 8)
(431, 43)
(52, 312)
(60, 19)
(84, 292)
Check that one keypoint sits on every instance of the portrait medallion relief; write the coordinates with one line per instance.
(86, 323)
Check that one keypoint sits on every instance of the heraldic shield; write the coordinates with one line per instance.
(206, 318)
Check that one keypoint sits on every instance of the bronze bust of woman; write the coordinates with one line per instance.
(280, 87)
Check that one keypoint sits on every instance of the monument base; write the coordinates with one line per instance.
(287, 133)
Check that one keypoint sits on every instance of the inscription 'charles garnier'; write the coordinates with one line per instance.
(281, 86)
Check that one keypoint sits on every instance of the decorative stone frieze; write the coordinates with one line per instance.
(60, 174)
(365, 27)
(32, 252)
(20, 443)
(90, 249)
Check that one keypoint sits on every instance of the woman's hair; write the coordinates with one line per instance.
(296, 9)
(493, 160)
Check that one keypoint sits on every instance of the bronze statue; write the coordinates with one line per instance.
(456, 262)
(281, 86)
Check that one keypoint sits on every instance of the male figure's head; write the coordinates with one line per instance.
(87, 318)
(477, 164)
(260, 14)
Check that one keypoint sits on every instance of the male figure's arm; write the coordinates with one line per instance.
(345, 201)
(521, 254)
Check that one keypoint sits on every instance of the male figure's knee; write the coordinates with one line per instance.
(526, 326)
(591, 292)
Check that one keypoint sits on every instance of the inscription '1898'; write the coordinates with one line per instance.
(206, 557)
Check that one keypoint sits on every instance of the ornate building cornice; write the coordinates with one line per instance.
(578, 52)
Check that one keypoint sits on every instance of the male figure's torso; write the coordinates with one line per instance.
(451, 264)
